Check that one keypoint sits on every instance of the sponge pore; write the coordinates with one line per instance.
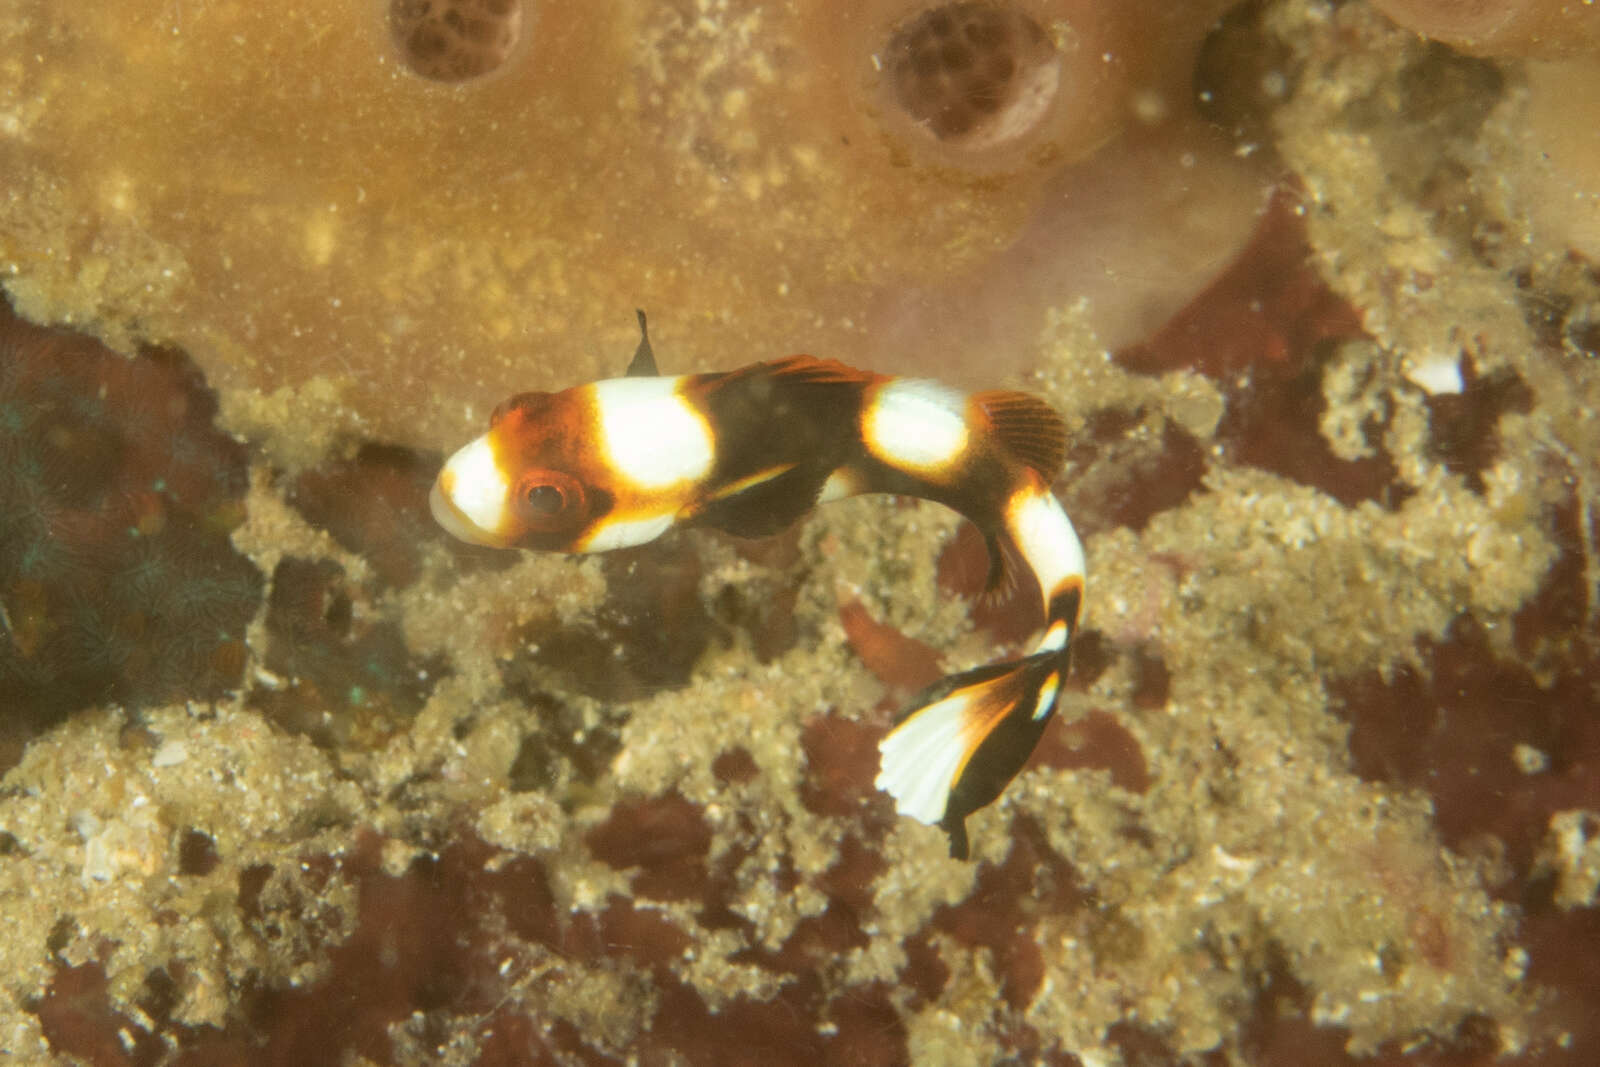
(455, 40)
(973, 74)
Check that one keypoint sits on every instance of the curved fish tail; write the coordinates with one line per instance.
(964, 738)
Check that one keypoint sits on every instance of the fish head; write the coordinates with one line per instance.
(522, 484)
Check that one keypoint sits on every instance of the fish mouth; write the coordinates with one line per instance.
(446, 514)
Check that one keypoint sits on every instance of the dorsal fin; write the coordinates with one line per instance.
(808, 370)
(644, 360)
(1028, 427)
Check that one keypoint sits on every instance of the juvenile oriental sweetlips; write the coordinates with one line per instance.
(619, 462)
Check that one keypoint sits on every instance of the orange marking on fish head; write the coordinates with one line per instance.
(530, 481)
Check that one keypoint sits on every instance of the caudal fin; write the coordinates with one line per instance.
(965, 737)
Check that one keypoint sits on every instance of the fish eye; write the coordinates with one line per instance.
(548, 500)
(544, 499)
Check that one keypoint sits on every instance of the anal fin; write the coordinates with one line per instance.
(1008, 571)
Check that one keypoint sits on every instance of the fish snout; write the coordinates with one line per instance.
(468, 497)
(446, 514)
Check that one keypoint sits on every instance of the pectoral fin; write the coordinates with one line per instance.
(758, 504)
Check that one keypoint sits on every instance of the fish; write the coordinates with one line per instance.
(619, 462)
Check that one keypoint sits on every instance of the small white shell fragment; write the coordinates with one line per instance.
(1436, 373)
(169, 753)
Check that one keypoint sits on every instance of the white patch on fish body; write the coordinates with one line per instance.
(1045, 537)
(1047, 696)
(1055, 638)
(650, 434)
(469, 500)
(625, 533)
(916, 425)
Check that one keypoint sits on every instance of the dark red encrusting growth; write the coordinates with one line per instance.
(1564, 955)
(1264, 328)
(1005, 908)
(866, 1026)
(817, 940)
(1157, 481)
(1126, 469)
(376, 506)
(197, 853)
(428, 951)
(903, 663)
(1451, 729)
(1277, 1030)
(117, 496)
(764, 609)
(666, 838)
(735, 765)
(782, 1031)
(925, 973)
(428, 946)
(863, 1023)
(562, 735)
(1010, 615)
(1269, 306)
(399, 959)
(342, 673)
(841, 763)
(1141, 1045)
(1096, 741)
(1553, 624)
(77, 1019)
(1463, 428)
(1152, 681)
(1273, 423)
(511, 1038)
(645, 637)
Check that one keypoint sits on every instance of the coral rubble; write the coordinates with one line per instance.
(117, 581)
(1553, 124)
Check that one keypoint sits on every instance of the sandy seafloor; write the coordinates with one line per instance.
(291, 778)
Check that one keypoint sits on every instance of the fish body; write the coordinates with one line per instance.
(619, 462)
